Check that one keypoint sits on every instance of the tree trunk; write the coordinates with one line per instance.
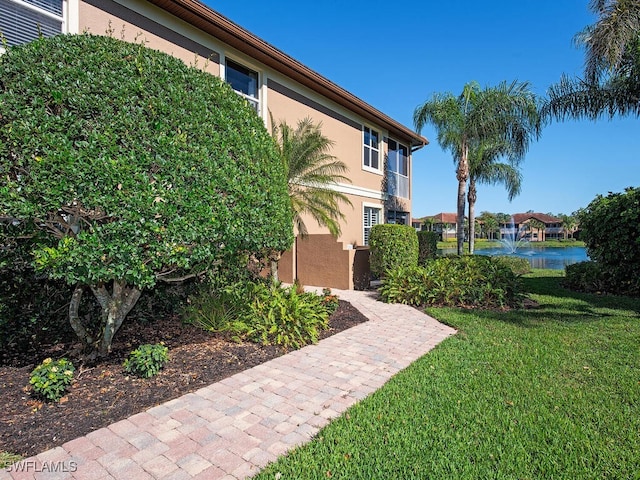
(472, 216)
(115, 307)
(274, 259)
(75, 320)
(463, 175)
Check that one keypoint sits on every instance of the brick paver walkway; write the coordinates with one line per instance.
(233, 428)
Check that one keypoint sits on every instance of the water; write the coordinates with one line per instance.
(555, 258)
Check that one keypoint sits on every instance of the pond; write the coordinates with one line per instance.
(555, 258)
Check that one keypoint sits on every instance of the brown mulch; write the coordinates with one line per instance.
(104, 394)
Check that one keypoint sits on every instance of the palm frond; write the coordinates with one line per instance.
(313, 173)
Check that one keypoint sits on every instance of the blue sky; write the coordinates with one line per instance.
(395, 55)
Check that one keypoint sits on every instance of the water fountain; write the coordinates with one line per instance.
(514, 237)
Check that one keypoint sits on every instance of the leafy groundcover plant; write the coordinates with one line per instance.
(467, 281)
(261, 312)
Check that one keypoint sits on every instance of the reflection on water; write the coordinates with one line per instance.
(555, 258)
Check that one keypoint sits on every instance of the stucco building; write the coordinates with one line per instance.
(273, 83)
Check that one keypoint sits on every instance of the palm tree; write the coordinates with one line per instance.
(312, 173)
(485, 168)
(540, 226)
(569, 224)
(490, 224)
(611, 83)
(506, 113)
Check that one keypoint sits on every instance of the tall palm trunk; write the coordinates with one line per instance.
(462, 175)
(472, 213)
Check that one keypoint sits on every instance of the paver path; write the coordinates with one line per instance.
(233, 428)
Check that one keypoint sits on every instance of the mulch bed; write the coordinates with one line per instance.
(104, 394)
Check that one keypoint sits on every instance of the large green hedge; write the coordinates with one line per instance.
(134, 166)
(610, 228)
(392, 246)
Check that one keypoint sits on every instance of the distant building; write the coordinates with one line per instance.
(528, 226)
(443, 223)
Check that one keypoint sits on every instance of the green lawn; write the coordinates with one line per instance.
(551, 392)
(483, 243)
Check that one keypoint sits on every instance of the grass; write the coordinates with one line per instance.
(551, 392)
(481, 243)
(7, 459)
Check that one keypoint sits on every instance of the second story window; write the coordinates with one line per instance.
(397, 169)
(22, 21)
(244, 81)
(371, 149)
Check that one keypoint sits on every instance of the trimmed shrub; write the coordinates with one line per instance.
(147, 360)
(392, 246)
(472, 281)
(610, 228)
(427, 246)
(128, 167)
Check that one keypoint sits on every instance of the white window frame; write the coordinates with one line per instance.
(370, 148)
(255, 102)
(63, 18)
(367, 228)
(394, 176)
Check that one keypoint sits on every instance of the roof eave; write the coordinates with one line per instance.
(215, 24)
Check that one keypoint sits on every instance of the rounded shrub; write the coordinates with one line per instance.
(130, 167)
(610, 228)
(392, 246)
(585, 277)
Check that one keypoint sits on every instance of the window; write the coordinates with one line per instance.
(244, 82)
(400, 218)
(24, 20)
(397, 169)
(371, 150)
(371, 218)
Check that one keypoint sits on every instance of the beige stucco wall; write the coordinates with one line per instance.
(106, 17)
(139, 21)
(346, 133)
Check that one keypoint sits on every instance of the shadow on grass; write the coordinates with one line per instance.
(552, 286)
(556, 304)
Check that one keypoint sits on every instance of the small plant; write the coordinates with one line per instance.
(216, 308)
(329, 301)
(282, 316)
(298, 286)
(51, 378)
(147, 360)
(7, 459)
